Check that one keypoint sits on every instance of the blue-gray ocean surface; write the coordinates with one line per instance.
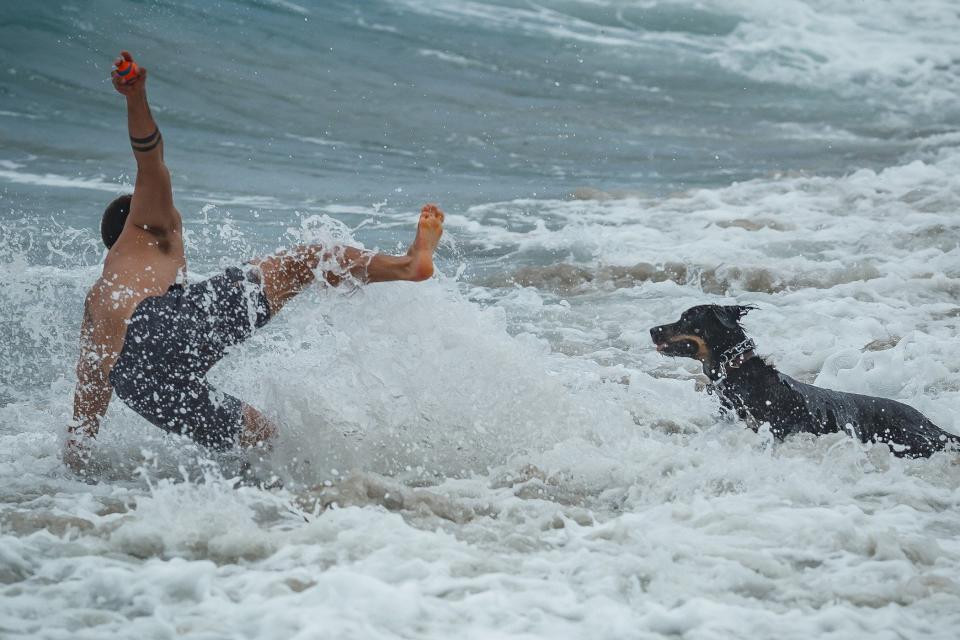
(498, 452)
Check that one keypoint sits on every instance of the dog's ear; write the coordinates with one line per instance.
(729, 315)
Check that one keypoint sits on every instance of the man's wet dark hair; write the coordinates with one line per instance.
(114, 217)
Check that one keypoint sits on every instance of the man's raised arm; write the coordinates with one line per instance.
(152, 205)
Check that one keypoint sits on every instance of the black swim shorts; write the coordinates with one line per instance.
(172, 342)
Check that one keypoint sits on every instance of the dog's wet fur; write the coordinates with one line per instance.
(758, 393)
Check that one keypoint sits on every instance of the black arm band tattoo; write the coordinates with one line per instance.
(148, 144)
(146, 140)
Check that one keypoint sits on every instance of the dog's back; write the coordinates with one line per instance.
(791, 407)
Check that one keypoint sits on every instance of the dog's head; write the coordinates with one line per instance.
(703, 332)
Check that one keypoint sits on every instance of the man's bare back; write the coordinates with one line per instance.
(142, 272)
(136, 267)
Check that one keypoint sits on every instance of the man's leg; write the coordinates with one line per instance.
(286, 274)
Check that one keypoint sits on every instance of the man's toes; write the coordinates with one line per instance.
(431, 211)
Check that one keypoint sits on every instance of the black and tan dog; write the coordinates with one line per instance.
(758, 393)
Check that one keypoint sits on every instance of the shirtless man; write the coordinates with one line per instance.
(152, 339)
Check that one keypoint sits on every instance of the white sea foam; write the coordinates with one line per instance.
(455, 59)
(17, 114)
(226, 199)
(530, 19)
(289, 6)
(907, 50)
(326, 142)
(375, 26)
(62, 182)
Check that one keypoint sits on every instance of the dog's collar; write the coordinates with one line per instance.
(734, 357)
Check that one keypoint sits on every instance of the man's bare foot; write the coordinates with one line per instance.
(429, 230)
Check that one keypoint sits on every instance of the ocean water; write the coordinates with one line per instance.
(498, 452)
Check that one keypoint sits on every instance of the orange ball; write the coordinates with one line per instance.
(127, 70)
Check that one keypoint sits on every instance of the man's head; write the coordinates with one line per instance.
(703, 332)
(114, 217)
